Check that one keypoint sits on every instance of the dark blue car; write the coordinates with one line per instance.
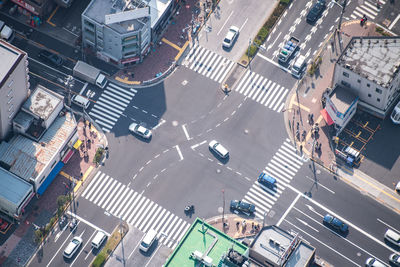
(316, 11)
(335, 223)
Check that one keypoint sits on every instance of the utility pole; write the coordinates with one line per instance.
(69, 83)
(340, 22)
(223, 209)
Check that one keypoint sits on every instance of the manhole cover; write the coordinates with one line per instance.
(358, 254)
(220, 209)
(318, 171)
(219, 171)
(175, 123)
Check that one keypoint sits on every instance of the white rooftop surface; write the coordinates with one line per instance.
(375, 58)
(157, 8)
(8, 58)
(42, 102)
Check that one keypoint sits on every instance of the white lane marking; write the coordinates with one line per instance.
(341, 218)
(165, 151)
(186, 132)
(147, 163)
(306, 224)
(318, 184)
(243, 24)
(159, 124)
(163, 170)
(273, 62)
(88, 223)
(337, 252)
(394, 22)
(271, 45)
(199, 144)
(179, 152)
(388, 225)
(219, 124)
(226, 119)
(225, 23)
(141, 169)
(156, 156)
(134, 177)
(155, 176)
(288, 210)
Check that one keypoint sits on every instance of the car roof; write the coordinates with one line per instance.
(229, 35)
(221, 149)
(393, 235)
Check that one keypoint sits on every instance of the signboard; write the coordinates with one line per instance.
(129, 60)
(26, 6)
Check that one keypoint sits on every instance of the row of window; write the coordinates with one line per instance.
(347, 75)
(369, 95)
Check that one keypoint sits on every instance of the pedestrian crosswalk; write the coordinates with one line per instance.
(283, 167)
(262, 90)
(208, 63)
(123, 202)
(110, 105)
(368, 8)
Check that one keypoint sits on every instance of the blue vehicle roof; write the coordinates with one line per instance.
(267, 178)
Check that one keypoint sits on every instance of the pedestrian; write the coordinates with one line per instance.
(297, 125)
(237, 225)
(301, 149)
(90, 125)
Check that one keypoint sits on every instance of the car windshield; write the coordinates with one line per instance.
(227, 40)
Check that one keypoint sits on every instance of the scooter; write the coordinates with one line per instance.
(189, 209)
(73, 224)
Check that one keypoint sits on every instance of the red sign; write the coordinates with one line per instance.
(129, 60)
(26, 6)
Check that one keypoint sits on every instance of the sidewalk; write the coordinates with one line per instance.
(20, 246)
(305, 101)
(235, 226)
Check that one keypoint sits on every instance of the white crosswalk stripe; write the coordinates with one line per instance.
(283, 167)
(208, 63)
(368, 8)
(135, 209)
(111, 104)
(262, 90)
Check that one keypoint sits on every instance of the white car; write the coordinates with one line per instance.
(397, 188)
(372, 262)
(230, 37)
(72, 247)
(219, 149)
(392, 237)
(140, 130)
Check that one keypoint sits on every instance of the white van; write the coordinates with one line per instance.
(148, 240)
(98, 239)
(298, 66)
(392, 237)
(81, 101)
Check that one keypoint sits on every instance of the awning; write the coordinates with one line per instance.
(50, 177)
(326, 116)
(77, 144)
(68, 156)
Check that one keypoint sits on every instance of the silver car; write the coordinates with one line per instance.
(219, 149)
(72, 247)
(140, 130)
(230, 37)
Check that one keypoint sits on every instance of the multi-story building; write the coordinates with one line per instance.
(120, 31)
(369, 69)
(40, 8)
(14, 84)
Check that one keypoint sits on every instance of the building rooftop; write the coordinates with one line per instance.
(342, 98)
(375, 58)
(301, 256)
(13, 189)
(27, 158)
(10, 57)
(42, 102)
(98, 9)
(203, 239)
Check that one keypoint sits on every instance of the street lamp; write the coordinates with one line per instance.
(340, 20)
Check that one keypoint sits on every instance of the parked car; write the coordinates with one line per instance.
(393, 237)
(372, 262)
(395, 259)
(316, 11)
(140, 130)
(242, 206)
(397, 188)
(219, 149)
(230, 37)
(51, 58)
(335, 223)
(72, 247)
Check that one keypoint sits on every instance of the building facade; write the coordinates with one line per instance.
(40, 8)
(369, 68)
(14, 85)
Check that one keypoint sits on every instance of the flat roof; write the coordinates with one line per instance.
(42, 102)
(271, 251)
(342, 98)
(98, 9)
(27, 158)
(211, 242)
(375, 58)
(10, 56)
(157, 10)
(301, 256)
(13, 189)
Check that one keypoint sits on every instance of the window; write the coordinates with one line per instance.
(378, 99)
(368, 85)
(369, 95)
(345, 74)
(345, 83)
(52, 165)
(379, 91)
(358, 80)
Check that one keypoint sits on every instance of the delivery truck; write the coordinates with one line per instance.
(89, 74)
(6, 33)
(288, 49)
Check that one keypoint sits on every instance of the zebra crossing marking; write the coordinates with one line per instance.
(367, 8)
(121, 201)
(208, 63)
(283, 167)
(111, 104)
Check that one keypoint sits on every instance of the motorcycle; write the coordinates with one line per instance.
(73, 224)
(189, 209)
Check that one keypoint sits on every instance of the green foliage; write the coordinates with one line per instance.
(38, 236)
(98, 155)
(284, 2)
(99, 260)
